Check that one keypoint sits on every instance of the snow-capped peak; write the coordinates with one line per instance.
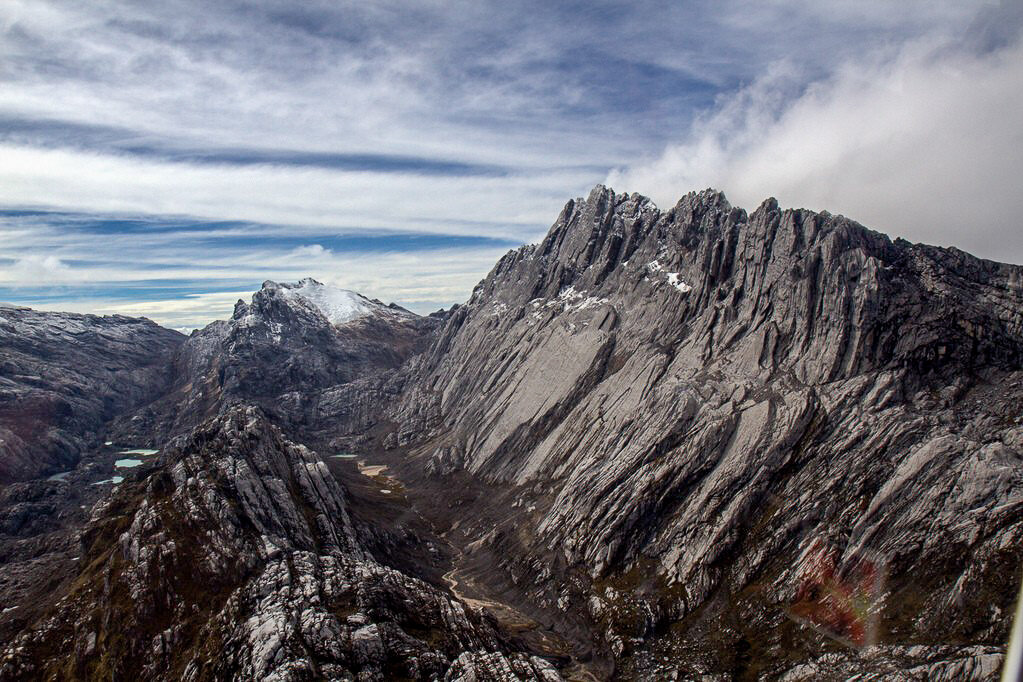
(337, 305)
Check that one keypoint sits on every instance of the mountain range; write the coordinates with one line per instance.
(692, 443)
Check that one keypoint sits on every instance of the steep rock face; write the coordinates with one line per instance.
(62, 376)
(711, 398)
(278, 351)
(235, 558)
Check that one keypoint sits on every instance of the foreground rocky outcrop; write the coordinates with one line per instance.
(696, 408)
(235, 558)
(64, 376)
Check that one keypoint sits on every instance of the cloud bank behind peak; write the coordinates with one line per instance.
(919, 141)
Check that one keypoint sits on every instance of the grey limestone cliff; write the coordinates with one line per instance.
(712, 399)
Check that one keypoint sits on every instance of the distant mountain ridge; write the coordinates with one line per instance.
(287, 343)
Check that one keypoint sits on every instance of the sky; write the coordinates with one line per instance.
(163, 159)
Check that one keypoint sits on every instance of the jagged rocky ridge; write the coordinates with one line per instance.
(235, 558)
(658, 434)
(697, 398)
(63, 376)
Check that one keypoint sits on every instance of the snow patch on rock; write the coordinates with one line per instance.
(674, 278)
(578, 300)
(337, 305)
(677, 282)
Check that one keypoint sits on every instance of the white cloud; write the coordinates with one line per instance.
(310, 251)
(925, 144)
(192, 311)
(39, 269)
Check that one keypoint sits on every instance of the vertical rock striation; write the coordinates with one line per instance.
(700, 395)
(693, 443)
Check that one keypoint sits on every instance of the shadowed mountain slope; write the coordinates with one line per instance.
(64, 376)
(279, 351)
